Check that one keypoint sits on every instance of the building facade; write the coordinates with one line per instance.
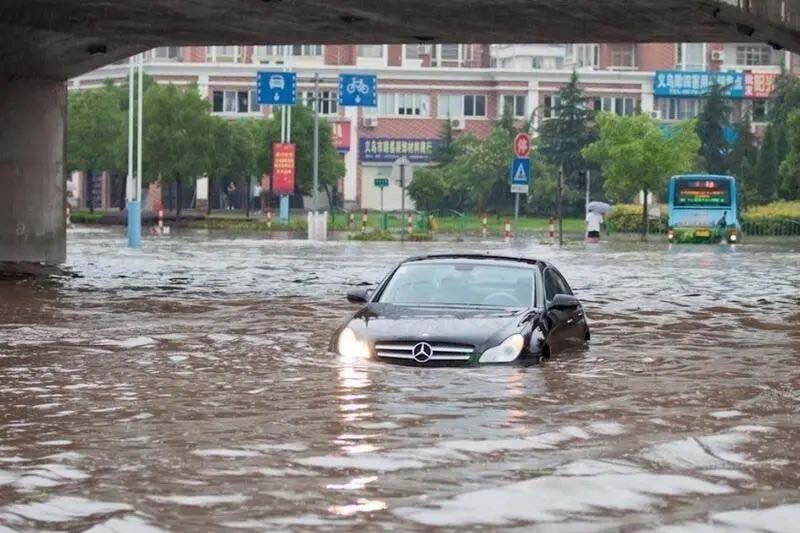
(422, 86)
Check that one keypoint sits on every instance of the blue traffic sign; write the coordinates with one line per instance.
(358, 90)
(520, 175)
(277, 88)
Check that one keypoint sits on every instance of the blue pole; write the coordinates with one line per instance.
(283, 214)
(134, 224)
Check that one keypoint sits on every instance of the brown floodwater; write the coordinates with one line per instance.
(187, 386)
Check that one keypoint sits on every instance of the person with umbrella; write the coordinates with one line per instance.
(594, 218)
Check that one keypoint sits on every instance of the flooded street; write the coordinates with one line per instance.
(187, 385)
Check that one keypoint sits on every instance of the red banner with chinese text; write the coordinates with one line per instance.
(283, 164)
(759, 84)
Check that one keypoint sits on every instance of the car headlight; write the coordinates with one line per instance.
(351, 347)
(506, 351)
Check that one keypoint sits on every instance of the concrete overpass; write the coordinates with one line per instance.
(45, 42)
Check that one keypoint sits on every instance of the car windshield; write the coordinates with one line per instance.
(460, 284)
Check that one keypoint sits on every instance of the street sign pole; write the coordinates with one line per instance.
(316, 141)
(402, 201)
(560, 213)
(516, 212)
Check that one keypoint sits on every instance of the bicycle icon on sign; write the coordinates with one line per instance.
(357, 84)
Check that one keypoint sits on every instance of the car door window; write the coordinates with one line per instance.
(554, 284)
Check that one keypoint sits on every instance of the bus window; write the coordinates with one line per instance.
(699, 192)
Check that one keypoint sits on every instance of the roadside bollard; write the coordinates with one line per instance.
(409, 224)
(69, 222)
(161, 222)
(552, 229)
(431, 224)
(269, 219)
(507, 233)
(364, 218)
(351, 221)
(485, 225)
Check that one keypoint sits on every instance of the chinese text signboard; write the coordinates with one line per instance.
(388, 150)
(694, 84)
(283, 168)
(759, 84)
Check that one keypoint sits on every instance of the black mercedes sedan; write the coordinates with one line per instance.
(457, 310)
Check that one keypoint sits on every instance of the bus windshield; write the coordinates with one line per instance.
(702, 192)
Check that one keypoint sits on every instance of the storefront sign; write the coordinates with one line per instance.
(283, 168)
(759, 84)
(387, 150)
(694, 84)
(341, 136)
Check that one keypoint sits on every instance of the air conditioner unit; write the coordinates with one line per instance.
(656, 114)
(458, 123)
(718, 56)
(370, 122)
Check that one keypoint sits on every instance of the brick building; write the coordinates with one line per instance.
(421, 86)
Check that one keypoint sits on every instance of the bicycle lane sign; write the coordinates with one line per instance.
(358, 90)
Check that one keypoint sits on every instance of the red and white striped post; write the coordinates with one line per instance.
(351, 220)
(507, 232)
(485, 225)
(161, 221)
(269, 219)
(364, 218)
(552, 229)
(409, 224)
(69, 222)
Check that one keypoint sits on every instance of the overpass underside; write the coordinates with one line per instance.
(45, 42)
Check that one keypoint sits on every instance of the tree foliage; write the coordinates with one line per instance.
(790, 168)
(743, 158)
(711, 124)
(563, 137)
(96, 132)
(635, 154)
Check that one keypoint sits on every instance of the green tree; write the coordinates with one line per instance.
(96, 133)
(445, 152)
(711, 124)
(743, 158)
(429, 188)
(177, 136)
(635, 155)
(563, 137)
(790, 168)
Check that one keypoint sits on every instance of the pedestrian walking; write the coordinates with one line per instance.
(593, 222)
(230, 191)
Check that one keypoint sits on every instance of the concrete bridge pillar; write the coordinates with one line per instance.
(32, 170)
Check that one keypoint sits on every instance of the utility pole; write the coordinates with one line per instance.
(560, 213)
(588, 178)
(316, 141)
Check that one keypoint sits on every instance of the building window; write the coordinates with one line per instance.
(516, 103)
(167, 52)
(403, 105)
(307, 50)
(550, 108)
(328, 101)
(234, 101)
(753, 55)
(467, 52)
(370, 50)
(618, 105)
(449, 105)
(623, 56)
(448, 52)
(760, 110)
(474, 105)
(585, 55)
(537, 62)
(222, 54)
(296, 50)
(255, 107)
(679, 108)
(415, 51)
(690, 56)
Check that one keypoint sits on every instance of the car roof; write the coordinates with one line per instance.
(475, 258)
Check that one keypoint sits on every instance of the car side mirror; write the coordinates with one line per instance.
(358, 296)
(564, 301)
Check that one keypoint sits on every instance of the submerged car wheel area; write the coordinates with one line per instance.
(461, 310)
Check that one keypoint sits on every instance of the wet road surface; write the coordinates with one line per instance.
(187, 386)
